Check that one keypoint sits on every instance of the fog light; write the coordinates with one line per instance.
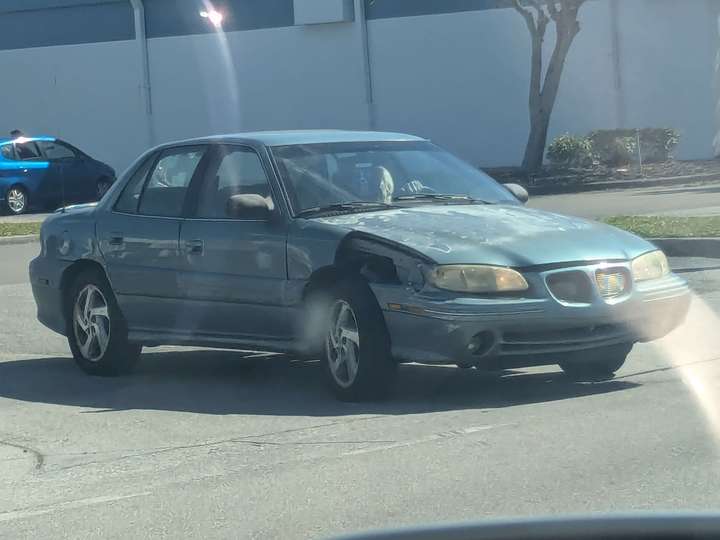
(481, 343)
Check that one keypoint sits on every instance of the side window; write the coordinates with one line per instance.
(56, 150)
(7, 151)
(164, 193)
(237, 170)
(28, 151)
(128, 201)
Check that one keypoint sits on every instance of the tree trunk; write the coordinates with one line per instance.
(542, 102)
(535, 149)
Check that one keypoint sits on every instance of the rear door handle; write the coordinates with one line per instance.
(194, 246)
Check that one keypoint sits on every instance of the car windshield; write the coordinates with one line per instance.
(322, 175)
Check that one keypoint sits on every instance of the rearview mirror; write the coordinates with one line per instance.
(249, 206)
(518, 191)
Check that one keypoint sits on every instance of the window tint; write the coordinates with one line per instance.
(128, 201)
(28, 151)
(237, 170)
(164, 194)
(7, 151)
(56, 150)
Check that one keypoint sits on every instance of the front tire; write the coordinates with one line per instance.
(97, 332)
(596, 365)
(357, 360)
(16, 200)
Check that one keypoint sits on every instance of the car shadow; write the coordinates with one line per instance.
(230, 382)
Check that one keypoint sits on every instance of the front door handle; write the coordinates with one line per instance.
(116, 239)
(194, 246)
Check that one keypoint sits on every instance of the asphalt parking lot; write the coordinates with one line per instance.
(220, 444)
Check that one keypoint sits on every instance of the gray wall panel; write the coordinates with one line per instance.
(111, 21)
(385, 9)
(8, 6)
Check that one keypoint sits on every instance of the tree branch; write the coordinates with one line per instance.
(542, 22)
(527, 15)
(567, 27)
(553, 9)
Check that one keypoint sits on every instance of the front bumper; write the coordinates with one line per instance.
(503, 333)
(45, 283)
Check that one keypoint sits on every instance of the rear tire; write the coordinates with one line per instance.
(96, 329)
(357, 360)
(16, 200)
(596, 365)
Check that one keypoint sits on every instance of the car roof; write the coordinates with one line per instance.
(8, 140)
(309, 136)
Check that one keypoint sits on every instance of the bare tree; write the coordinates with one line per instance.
(543, 93)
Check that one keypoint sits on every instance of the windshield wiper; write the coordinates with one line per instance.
(348, 206)
(439, 197)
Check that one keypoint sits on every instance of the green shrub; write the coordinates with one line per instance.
(613, 147)
(571, 151)
(616, 147)
(658, 144)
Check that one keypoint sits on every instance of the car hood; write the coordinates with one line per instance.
(501, 235)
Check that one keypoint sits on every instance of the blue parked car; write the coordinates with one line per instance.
(45, 172)
(364, 249)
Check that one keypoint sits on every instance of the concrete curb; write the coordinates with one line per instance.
(624, 184)
(689, 247)
(22, 239)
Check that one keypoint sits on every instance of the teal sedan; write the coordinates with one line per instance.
(364, 249)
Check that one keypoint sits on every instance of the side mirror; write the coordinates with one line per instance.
(249, 206)
(518, 191)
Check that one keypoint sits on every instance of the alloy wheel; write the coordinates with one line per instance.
(91, 323)
(16, 200)
(343, 344)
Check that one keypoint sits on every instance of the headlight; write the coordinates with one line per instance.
(652, 265)
(477, 279)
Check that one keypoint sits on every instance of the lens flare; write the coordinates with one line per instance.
(691, 350)
(219, 73)
(215, 17)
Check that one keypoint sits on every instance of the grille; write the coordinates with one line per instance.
(612, 282)
(549, 340)
(573, 287)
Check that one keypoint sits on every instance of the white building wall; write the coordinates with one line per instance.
(668, 53)
(460, 79)
(87, 94)
(286, 78)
